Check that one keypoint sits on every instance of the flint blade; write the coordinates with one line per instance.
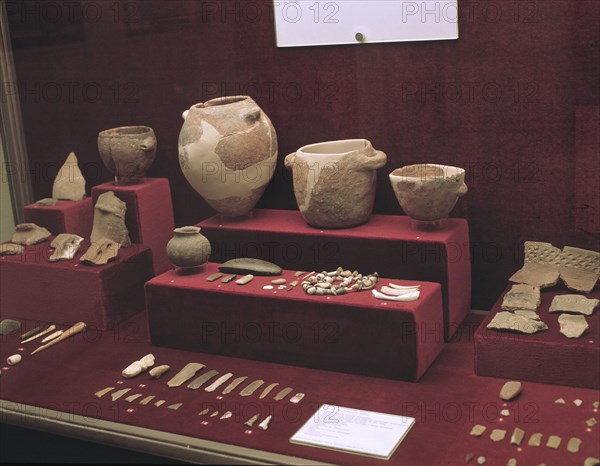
(250, 389)
(233, 385)
(217, 383)
(197, 382)
(267, 390)
(185, 374)
(118, 394)
(283, 393)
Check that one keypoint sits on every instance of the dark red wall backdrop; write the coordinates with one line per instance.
(502, 101)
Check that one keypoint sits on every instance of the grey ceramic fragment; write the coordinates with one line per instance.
(11, 249)
(69, 183)
(573, 445)
(27, 234)
(510, 390)
(516, 323)
(47, 201)
(517, 436)
(573, 303)
(535, 440)
(8, 326)
(498, 435)
(109, 220)
(572, 326)
(553, 441)
(537, 274)
(100, 252)
(250, 266)
(65, 246)
(477, 430)
(522, 297)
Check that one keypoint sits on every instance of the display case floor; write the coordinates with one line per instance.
(55, 389)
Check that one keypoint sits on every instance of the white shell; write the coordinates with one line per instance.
(412, 296)
(401, 287)
(398, 292)
(14, 359)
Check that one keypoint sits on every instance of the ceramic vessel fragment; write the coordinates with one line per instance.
(69, 183)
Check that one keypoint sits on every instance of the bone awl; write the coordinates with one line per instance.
(75, 329)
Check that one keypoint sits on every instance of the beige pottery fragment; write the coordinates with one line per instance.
(27, 234)
(573, 303)
(109, 220)
(572, 326)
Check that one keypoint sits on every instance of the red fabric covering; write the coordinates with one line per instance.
(73, 217)
(446, 403)
(291, 327)
(386, 244)
(547, 356)
(69, 291)
(149, 217)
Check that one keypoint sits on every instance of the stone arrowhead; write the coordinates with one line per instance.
(69, 183)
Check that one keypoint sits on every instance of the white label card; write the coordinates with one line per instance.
(313, 22)
(354, 431)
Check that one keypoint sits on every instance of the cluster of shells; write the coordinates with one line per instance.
(338, 282)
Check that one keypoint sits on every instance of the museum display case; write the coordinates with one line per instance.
(230, 251)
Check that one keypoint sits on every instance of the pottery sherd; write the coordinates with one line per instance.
(516, 323)
(579, 268)
(541, 253)
(522, 297)
(539, 274)
(10, 249)
(109, 220)
(574, 303)
(69, 183)
(572, 326)
(27, 234)
(101, 252)
(65, 247)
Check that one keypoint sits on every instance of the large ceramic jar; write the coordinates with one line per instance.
(228, 153)
(428, 192)
(128, 152)
(334, 181)
(188, 248)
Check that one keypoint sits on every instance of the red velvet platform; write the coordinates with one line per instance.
(548, 356)
(73, 217)
(386, 244)
(69, 291)
(353, 333)
(448, 401)
(149, 217)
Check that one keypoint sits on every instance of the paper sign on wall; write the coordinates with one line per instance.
(311, 22)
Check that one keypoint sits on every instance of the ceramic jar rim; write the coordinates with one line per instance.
(127, 131)
(446, 171)
(225, 100)
(187, 230)
(356, 144)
